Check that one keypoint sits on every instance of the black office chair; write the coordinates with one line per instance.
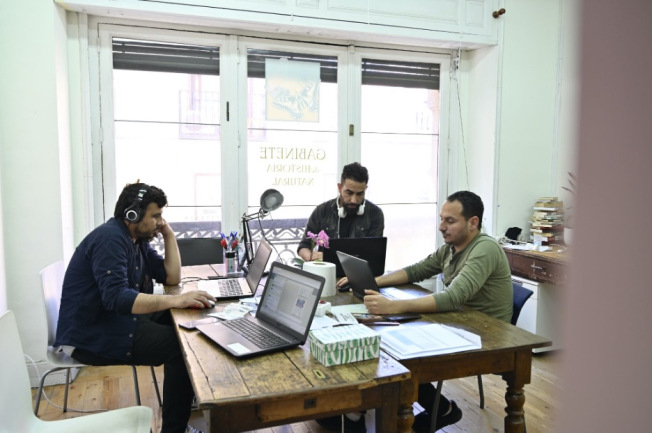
(521, 295)
(200, 251)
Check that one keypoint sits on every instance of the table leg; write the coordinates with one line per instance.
(515, 396)
(407, 396)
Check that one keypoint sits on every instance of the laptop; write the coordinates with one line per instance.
(200, 251)
(373, 250)
(360, 278)
(240, 287)
(283, 317)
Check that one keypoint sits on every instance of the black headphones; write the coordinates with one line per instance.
(134, 212)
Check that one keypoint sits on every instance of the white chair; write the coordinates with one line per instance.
(16, 398)
(52, 284)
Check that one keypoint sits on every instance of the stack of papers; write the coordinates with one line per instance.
(406, 342)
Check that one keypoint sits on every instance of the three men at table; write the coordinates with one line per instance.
(349, 215)
(109, 314)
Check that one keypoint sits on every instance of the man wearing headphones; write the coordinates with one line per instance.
(349, 215)
(109, 314)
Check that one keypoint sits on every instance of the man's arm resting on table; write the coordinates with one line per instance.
(145, 303)
(378, 304)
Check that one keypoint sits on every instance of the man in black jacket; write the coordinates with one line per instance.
(349, 215)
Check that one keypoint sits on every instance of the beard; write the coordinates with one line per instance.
(145, 236)
(351, 210)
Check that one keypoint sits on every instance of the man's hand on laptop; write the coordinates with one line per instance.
(378, 304)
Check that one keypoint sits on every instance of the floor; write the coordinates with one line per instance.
(112, 387)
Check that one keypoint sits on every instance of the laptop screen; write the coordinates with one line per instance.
(257, 267)
(373, 250)
(290, 299)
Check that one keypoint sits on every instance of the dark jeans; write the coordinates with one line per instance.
(426, 399)
(156, 343)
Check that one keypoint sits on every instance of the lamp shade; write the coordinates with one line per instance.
(271, 200)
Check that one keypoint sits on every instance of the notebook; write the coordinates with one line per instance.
(240, 287)
(283, 317)
(360, 278)
(373, 250)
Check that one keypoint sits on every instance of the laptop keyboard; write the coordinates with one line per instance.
(229, 287)
(258, 335)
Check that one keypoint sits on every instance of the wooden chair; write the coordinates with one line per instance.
(52, 284)
(16, 397)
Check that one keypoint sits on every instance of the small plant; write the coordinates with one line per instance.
(571, 188)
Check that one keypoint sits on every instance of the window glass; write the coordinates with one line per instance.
(167, 133)
(400, 147)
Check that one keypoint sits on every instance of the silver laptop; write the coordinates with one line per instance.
(283, 318)
(361, 277)
(240, 287)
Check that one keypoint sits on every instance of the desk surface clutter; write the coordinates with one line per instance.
(290, 386)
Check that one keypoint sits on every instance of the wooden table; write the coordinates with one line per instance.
(506, 350)
(291, 386)
(285, 387)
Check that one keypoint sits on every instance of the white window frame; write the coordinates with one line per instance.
(101, 30)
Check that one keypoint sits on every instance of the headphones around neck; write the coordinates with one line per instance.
(341, 212)
(134, 212)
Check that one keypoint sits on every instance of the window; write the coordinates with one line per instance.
(216, 123)
(166, 99)
(400, 147)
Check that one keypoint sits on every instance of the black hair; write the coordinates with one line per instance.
(356, 172)
(471, 205)
(130, 193)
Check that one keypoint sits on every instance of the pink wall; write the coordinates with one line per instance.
(608, 360)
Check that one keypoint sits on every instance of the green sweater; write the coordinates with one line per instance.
(478, 276)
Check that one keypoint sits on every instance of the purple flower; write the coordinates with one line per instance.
(320, 239)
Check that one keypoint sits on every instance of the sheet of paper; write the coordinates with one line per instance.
(351, 308)
(322, 322)
(426, 340)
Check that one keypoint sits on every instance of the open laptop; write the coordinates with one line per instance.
(283, 317)
(360, 278)
(240, 287)
(200, 251)
(373, 250)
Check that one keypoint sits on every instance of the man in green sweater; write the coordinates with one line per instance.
(476, 274)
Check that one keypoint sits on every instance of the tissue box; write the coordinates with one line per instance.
(344, 344)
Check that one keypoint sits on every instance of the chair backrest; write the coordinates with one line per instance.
(52, 285)
(521, 294)
(15, 395)
(200, 251)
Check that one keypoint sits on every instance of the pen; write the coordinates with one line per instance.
(383, 323)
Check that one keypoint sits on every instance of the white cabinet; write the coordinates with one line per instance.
(541, 313)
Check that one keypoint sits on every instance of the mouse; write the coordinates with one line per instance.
(211, 305)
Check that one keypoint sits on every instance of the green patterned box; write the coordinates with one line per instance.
(344, 344)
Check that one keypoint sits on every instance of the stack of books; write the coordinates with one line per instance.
(547, 220)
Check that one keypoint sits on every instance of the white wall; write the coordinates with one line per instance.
(33, 121)
(527, 112)
(606, 368)
(3, 281)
